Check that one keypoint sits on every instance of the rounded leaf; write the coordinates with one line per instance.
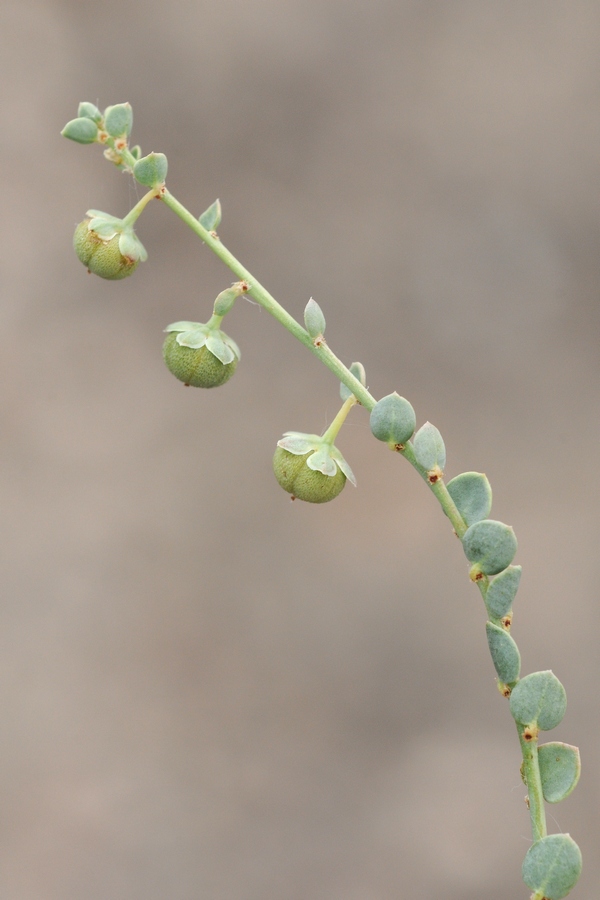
(298, 479)
(81, 130)
(89, 111)
(151, 170)
(560, 768)
(118, 119)
(504, 652)
(393, 419)
(199, 368)
(490, 544)
(552, 866)
(501, 592)
(472, 495)
(314, 319)
(539, 699)
(429, 448)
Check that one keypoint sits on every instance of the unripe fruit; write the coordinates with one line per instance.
(295, 477)
(198, 367)
(102, 257)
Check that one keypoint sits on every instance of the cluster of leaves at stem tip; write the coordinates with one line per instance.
(310, 467)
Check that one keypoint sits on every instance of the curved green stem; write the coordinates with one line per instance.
(139, 207)
(333, 430)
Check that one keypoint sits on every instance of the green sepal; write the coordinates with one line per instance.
(358, 370)
(118, 119)
(552, 866)
(151, 170)
(472, 495)
(393, 420)
(321, 456)
(81, 130)
(560, 768)
(89, 111)
(490, 545)
(504, 652)
(538, 699)
(195, 335)
(429, 448)
(131, 246)
(314, 320)
(501, 592)
(211, 217)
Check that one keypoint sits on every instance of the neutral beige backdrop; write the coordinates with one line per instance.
(211, 693)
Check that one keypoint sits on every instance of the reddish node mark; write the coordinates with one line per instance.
(506, 622)
(398, 448)
(433, 479)
(292, 497)
(506, 692)
(527, 734)
(479, 576)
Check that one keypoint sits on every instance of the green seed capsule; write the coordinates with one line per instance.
(102, 257)
(295, 477)
(198, 367)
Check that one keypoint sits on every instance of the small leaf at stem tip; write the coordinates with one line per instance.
(118, 119)
(82, 130)
(211, 217)
(89, 111)
(151, 170)
(539, 699)
(472, 495)
(552, 866)
(504, 652)
(560, 768)
(358, 370)
(314, 319)
(490, 545)
(393, 420)
(429, 447)
(501, 592)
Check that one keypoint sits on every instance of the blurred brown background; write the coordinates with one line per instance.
(208, 691)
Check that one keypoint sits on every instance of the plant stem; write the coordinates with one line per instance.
(332, 432)
(531, 774)
(531, 769)
(139, 207)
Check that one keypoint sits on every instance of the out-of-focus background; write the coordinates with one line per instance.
(208, 691)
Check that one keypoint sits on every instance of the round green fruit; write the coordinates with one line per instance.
(295, 477)
(200, 368)
(102, 257)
